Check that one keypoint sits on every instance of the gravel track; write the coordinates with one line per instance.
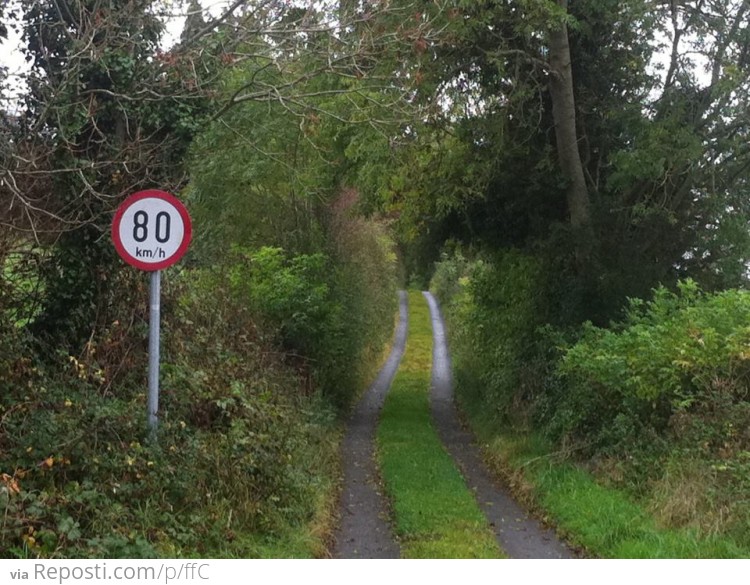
(364, 531)
(519, 535)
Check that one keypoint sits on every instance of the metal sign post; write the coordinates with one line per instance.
(154, 326)
(151, 230)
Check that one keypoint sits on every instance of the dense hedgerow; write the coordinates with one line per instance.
(332, 314)
(676, 354)
(657, 403)
(666, 391)
(494, 307)
(242, 449)
(259, 350)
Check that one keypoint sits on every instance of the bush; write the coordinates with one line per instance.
(451, 276)
(366, 283)
(672, 355)
(290, 293)
(332, 316)
(657, 404)
(494, 308)
(665, 394)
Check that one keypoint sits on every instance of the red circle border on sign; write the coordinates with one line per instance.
(187, 235)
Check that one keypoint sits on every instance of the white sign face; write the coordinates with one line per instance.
(151, 230)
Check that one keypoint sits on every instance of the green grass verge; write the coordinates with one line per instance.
(602, 520)
(304, 540)
(436, 515)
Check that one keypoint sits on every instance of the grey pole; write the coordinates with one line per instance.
(153, 351)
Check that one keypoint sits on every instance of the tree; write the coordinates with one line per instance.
(194, 22)
(565, 116)
(108, 113)
(97, 127)
(654, 162)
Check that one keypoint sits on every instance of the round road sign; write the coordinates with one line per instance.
(151, 230)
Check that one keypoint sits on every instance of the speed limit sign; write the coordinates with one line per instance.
(151, 230)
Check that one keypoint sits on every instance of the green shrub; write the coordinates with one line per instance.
(674, 354)
(332, 316)
(657, 404)
(290, 293)
(494, 308)
(366, 282)
(665, 394)
(450, 276)
(242, 450)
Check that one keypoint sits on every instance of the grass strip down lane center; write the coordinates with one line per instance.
(435, 513)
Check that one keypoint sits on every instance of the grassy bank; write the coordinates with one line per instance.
(602, 520)
(436, 515)
(246, 463)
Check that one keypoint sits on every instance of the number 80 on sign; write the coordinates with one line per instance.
(151, 230)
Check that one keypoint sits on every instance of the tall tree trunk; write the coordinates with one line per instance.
(564, 114)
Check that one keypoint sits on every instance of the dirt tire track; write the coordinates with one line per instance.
(519, 535)
(365, 531)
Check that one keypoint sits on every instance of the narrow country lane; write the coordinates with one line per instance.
(364, 532)
(519, 535)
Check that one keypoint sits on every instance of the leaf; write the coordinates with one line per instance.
(69, 528)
